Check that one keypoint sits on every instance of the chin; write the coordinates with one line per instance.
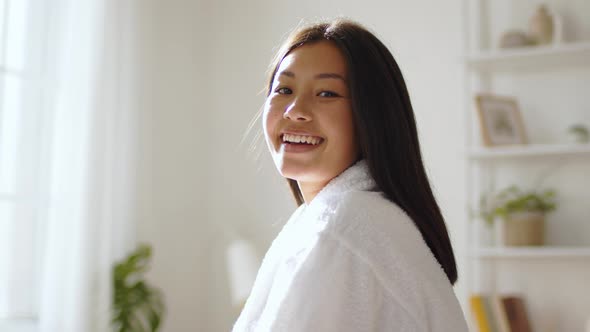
(295, 173)
(317, 177)
(304, 173)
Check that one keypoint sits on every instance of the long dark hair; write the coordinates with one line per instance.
(385, 125)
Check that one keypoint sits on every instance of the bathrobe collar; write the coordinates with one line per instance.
(354, 178)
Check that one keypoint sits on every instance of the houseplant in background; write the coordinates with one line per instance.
(523, 214)
(137, 306)
(579, 133)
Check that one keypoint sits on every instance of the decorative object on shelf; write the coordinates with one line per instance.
(137, 306)
(523, 214)
(500, 120)
(579, 133)
(515, 38)
(524, 229)
(541, 27)
(545, 27)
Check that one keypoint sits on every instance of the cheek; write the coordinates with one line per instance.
(270, 120)
(351, 132)
(342, 126)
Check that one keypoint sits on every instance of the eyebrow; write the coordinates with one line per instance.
(318, 76)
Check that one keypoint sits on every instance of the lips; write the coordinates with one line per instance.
(300, 141)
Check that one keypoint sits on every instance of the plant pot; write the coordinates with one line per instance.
(524, 229)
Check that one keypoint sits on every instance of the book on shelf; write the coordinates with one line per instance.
(489, 312)
(499, 313)
(516, 313)
(481, 316)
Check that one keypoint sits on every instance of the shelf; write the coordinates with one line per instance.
(531, 57)
(532, 252)
(550, 75)
(530, 150)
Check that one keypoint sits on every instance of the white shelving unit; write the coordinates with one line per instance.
(527, 151)
(532, 252)
(494, 267)
(570, 54)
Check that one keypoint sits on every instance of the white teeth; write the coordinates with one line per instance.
(301, 139)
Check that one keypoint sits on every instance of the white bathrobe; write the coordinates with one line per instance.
(351, 260)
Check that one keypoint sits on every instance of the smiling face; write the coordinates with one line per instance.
(308, 122)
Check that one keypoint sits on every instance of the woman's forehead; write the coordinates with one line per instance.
(313, 59)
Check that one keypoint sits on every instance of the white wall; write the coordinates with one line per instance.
(173, 158)
(205, 67)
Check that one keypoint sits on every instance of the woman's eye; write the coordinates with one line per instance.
(283, 91)
(328, 94)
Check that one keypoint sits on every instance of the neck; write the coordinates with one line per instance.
(309, 190)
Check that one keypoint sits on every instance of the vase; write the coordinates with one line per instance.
(524, 229)
(541, 26)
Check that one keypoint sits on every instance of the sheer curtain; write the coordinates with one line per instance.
(20, 140)
(92, 172)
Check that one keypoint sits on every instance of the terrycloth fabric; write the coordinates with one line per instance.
(350, 261)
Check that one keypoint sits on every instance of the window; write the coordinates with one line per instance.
(23, 146)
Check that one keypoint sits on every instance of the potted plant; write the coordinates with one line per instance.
(523, 214)
(137, 306)
(579, 133)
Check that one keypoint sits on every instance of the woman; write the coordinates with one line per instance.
(367, 249)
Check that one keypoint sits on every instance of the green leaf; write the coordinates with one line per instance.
(137, 307)
(513, 199)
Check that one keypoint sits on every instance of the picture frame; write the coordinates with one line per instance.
(500, 120)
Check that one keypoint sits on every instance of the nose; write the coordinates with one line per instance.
(298, 110)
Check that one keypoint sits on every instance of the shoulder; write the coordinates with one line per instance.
(361, 205)
(359, 216)
(381, 232)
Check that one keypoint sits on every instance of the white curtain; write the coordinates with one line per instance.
(92, 176)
